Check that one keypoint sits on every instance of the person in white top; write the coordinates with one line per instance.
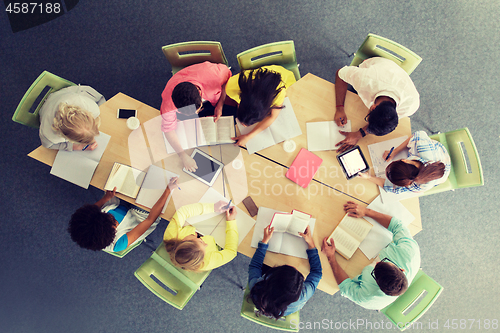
(386, 90)
(69, 119)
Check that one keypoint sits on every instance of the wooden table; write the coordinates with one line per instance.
(261, 177)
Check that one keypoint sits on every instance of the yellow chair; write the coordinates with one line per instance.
(184, 54)
(288, 323)
(279, 53)
(173, 285)
(22, 114)
(416, 300)
(466, 170)
(376, 46)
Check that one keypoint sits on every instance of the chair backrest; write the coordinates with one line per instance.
(288, 323)
(279, 53)
(410, 306)
(177, 286)
(22, 114)
(121, 254)
(184, 54)
(377, 46)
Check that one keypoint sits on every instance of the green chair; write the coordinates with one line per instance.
(376, 46)
(410, 306)
(279, 53)
(121, 254)
(184, 54)
(23, 114)
(466, 170)
(248, 311)
(177, 285)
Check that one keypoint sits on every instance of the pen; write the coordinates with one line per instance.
(85, 147)
(390, 152)
(229, 204)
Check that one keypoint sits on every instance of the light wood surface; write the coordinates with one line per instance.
(254, 175)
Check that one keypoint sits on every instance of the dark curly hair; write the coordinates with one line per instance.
(383, 119)
(390, 279)
(259, 88)
(186, 94)
(92, 229)
(281, 286)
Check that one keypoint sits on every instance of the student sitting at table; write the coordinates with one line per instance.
(427, 165)
(260, 94)
(386, 90)
(194, 252)
(282, 290)
(69, 119)
(379, 284)
(184, 95)
(108, 225)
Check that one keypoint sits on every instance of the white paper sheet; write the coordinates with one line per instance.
(376, 151)
(153, 186)
(324, 135)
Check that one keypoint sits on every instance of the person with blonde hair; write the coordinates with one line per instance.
(194, 252)
(69, 119)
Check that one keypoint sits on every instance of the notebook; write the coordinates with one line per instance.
(324, 135)
(303, 168)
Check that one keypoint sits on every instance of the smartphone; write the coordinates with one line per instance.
(126, 113)
(250, 206)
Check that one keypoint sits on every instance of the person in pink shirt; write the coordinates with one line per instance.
(185, 93)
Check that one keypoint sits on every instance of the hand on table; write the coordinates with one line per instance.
(268, 233)
(364, 175)
(386, 153)
(351, 138)
(340, 116)
(308, 238)
(354, 209)
(241, 140)
(188, 162)
(328, 249)
(172, 183)
(220, 206)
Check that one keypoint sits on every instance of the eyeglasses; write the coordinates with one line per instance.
(385, 259)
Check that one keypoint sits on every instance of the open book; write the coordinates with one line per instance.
(79, 166)
(153, 186)
(349, 234)
(376, 151)
(214, 224)
(281, 242)
(202, 132)
(291, 223)
(126, 179)
(283, 128)
(324, 135)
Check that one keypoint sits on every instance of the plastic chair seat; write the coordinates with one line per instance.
(377, 46)
(185, 54)
(248, 311)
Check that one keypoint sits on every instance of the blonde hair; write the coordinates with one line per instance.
(185, 254)
(76, 124)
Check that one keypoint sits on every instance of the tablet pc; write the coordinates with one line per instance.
(208, 167)
(353, 162)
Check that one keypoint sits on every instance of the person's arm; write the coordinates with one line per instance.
(255, 267)
(220, 103)
(107, 196)
(265, 123)
(230, 250)
(188, 162)
(351, 138)
(340, 92)
(329, 250)
(376, 180)
(142, 227)
(356, 210)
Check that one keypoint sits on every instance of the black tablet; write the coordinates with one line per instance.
(208, 167)
(353, 162)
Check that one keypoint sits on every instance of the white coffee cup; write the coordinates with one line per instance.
(133, 123)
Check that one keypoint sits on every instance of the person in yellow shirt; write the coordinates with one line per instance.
(260, 94)
(194, 252)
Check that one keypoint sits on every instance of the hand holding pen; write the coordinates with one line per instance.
(387, 154)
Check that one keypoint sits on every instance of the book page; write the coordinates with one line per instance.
(116, 177)
(261, 141)
(225, 129)
(206, 131)
(281, 222)
(295, 245)
(298, 223)
(345, 244)
(335, 136)
(286, 125)
(376, 151)
(126, 179)
(357, 227)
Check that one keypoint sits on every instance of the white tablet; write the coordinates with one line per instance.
(208, 167)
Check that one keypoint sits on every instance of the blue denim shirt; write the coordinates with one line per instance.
(310, 284)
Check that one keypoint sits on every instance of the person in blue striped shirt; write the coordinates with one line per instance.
(427, 165)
